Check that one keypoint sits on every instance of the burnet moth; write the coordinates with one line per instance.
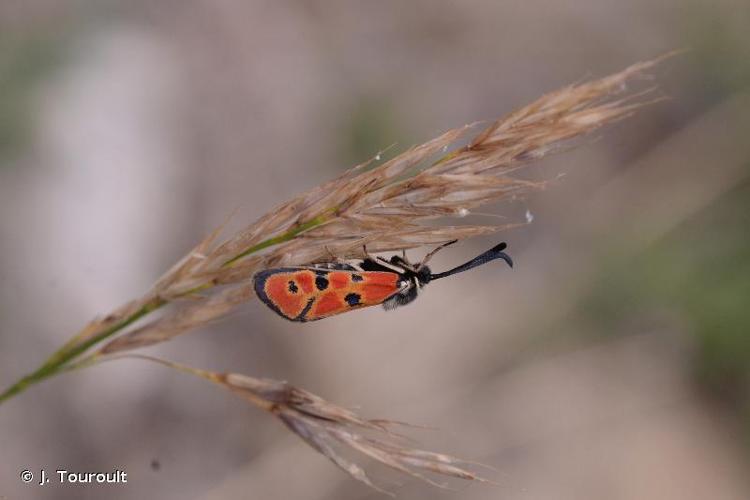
(311, 293)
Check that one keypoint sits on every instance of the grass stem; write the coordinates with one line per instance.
(58, 361)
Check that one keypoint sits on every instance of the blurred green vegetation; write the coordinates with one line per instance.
(700, 274)
(25, 60)
(719, 43)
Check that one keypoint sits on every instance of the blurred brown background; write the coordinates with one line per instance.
(612, 362)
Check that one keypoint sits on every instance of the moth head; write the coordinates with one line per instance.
(424, 274)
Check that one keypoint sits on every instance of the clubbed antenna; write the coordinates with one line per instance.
(493, 253)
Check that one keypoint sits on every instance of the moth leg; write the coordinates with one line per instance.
(406, 261)
(402, 262)
(366, 253)
(372, 258)
(374, 263)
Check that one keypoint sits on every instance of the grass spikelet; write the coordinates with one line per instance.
(332, 430)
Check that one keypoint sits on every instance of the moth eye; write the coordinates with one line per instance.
(321, 283)
(293, 287)
(352, 299)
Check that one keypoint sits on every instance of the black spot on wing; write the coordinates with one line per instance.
(293, 287)
(321, 283)
(357, 277)
(352, 299)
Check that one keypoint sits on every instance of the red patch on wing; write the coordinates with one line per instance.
(378, 286)
(340, 279)
(327, 304)
(305, 280)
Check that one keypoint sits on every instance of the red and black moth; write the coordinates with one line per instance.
(315, 292)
